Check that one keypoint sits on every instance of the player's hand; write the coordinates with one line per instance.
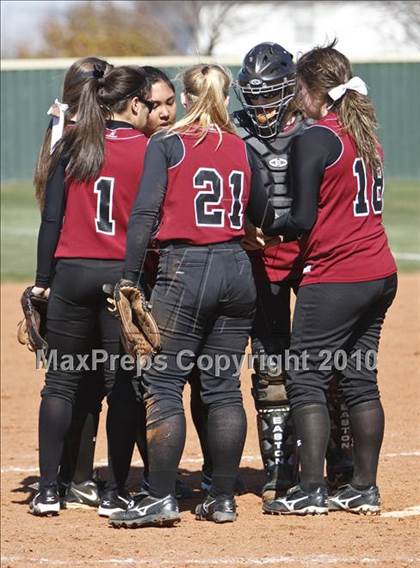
(41, 292)
(254, 238)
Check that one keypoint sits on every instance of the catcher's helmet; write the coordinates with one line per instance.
(266, 84)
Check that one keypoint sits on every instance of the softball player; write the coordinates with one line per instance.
(76, 486)
(199, 180)
(127, 404)
(94, 175)
(269, 122)
(349, 280)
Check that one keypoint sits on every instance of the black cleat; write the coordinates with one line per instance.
(299, 502)
(46, 502)
(81, 495)
(219, 509)
(148, 511)
(111, 503)
(348, 498)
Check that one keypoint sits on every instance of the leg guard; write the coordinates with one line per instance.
(340, 447)
(275, 433)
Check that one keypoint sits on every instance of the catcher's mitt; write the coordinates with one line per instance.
(139, 332)
(31, 330)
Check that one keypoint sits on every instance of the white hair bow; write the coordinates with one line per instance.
(57, 111)
(355, 84)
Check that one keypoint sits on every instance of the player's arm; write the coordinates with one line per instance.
(162, 152)
(51, 222)
(310, 154)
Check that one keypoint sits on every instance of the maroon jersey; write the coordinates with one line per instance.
(97, 212)
(208, 191)
(348, 241)
(279, 262)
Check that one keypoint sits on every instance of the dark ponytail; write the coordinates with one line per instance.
(101, 96)
(76, 77)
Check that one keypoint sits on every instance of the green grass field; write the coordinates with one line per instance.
(20, 221)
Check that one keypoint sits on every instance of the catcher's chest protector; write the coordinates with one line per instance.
(273, 158)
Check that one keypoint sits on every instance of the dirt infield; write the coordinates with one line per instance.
(81, 538)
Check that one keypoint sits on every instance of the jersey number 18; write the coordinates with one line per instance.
(361, 206)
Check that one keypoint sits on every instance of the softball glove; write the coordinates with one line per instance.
(31, 331)
(139, 332)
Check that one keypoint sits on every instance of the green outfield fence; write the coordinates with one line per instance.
(28, 87)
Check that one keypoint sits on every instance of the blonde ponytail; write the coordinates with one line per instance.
(206, 87)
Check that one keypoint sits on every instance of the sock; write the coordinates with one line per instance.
(165, 444)
(121, 425)
(367, 423)
(199, 414)
(54, 423)
(312, 423)
(226, 439)
(84, 464)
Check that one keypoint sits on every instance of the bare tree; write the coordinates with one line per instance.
(198, 25)
(408, 15)
(141, 28)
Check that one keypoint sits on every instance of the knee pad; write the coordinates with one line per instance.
(268, 390)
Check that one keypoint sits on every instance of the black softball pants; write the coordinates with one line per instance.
(203, 302)
(76, 308)
(270, 335)
(338, 325)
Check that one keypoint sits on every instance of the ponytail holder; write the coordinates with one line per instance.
(98, 71)
(57, 111)
(355, 84)
(205, 69)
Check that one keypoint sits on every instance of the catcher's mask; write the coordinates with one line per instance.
(266, 84)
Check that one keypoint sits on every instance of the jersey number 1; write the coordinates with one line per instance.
(104, 188)
(361, 203)
(210, 184)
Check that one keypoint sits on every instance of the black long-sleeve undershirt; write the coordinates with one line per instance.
(51, 222)
(310, 153)
(162, 153)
